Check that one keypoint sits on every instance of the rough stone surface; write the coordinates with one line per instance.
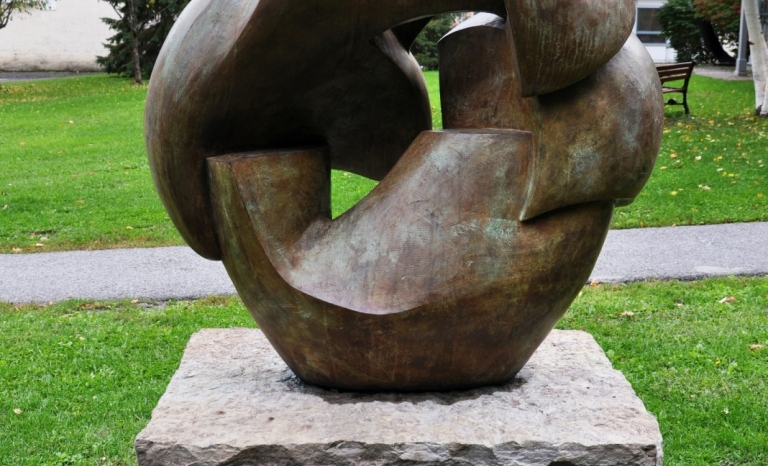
(233, 401)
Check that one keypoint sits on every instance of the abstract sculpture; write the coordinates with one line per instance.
(452, 271)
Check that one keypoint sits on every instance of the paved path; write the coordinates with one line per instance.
(12, 76)
(721, 72)
(684, 253)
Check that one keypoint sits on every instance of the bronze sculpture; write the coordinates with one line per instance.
(451, 272)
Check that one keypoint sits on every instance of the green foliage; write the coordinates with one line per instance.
(425, 46)
(681, 22)
(724, 15)
(678, 24)
(154, 21)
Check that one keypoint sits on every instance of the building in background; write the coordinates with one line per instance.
(648, 29)
(70, 34)
(67, 36)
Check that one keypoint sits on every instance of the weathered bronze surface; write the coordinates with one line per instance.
(457, 265)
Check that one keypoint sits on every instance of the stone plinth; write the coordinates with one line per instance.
(233, 401)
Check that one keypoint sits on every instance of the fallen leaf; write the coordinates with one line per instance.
(756, 347)
(727, 299)
(19, 250)
(17, 411)
(134, 301)
(759, 194)
(698, 157)
(674, 193)
(626, 314)
(71, 122)
(726, 411)
(22, 143)
(704, 187)
(43, 238)
(129, 228)
(672, 156)
(5, 207)
(663, 168)
(39, 245)
(81, 201)
(594, 283)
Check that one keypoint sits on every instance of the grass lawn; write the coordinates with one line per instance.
(78, 380)
(74, 172)
(712, 166)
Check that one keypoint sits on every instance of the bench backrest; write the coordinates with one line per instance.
(675, 71)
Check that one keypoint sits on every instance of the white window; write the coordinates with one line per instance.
(648, 27)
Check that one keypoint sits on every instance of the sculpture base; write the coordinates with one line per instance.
(233, 401)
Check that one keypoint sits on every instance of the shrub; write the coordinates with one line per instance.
(153, 22)
(678, 24)
(425, 46)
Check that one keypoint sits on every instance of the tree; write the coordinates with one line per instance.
(142, 27)
(696, 29)
(719, 22)
(8, 8)
(759, 51)
(425, 46)
(723, 15)
(678, 24)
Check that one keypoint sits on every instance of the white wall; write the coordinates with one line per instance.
(661, 53)
(67, 38)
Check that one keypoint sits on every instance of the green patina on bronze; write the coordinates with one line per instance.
(451, 272)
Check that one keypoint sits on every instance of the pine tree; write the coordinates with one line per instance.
(141, 27)
(425, 46)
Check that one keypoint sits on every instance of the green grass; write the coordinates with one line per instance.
(74, 172)
(692, 361)
(712, 166)
(85, 376)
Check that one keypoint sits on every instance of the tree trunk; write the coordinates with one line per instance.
(712, 43)
(759, 52)
(133, 25)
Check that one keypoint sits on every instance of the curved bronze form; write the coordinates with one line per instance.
(452, 271)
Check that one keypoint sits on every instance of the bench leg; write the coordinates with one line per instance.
(685, 103)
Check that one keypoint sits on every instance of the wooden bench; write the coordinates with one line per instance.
(676, 72)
